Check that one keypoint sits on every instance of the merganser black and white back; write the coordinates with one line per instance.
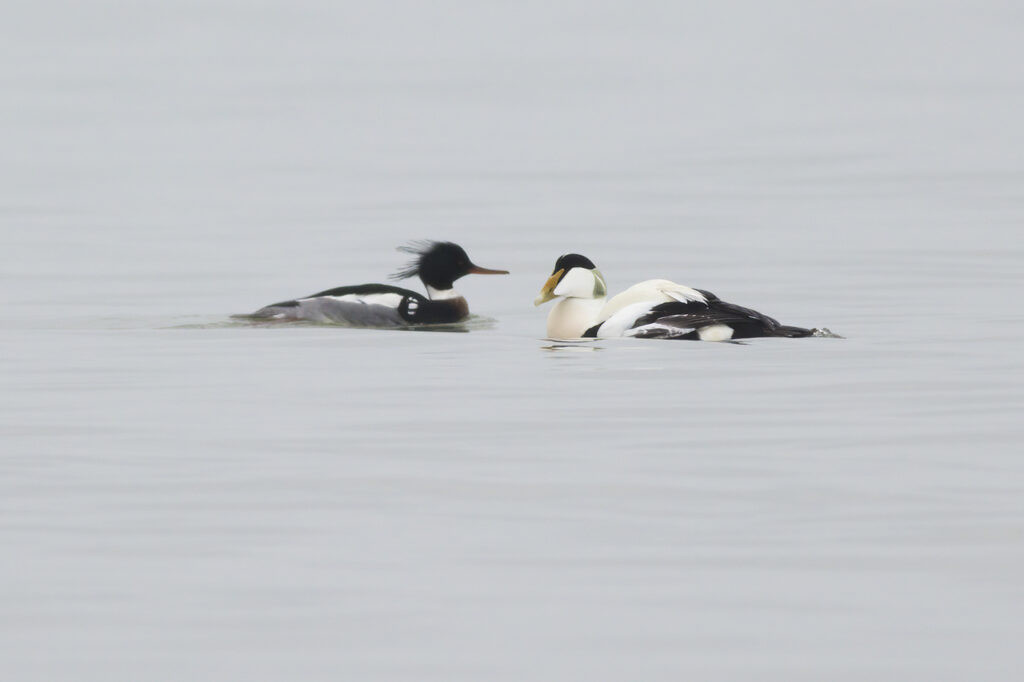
(653, 309)
(437, 264)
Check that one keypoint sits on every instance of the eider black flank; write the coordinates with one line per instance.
(744, 322)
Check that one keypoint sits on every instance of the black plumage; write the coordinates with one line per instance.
(683, 320)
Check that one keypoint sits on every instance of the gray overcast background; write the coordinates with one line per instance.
(185, 497)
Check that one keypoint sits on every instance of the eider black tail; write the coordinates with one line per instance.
(792, 332)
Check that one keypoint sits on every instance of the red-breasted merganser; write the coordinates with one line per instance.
(437, 264)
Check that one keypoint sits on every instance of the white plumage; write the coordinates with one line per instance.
(654, 308)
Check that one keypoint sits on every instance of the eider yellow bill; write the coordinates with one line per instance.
(477, 270)
(546, 291)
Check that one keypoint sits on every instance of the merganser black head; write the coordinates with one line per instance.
(439, 264)
(586, 280)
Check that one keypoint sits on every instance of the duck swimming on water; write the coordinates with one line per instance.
(437, 264)
(653, 309)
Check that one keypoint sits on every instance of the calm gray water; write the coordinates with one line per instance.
(184, 497)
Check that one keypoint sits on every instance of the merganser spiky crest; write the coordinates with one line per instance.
(439, 264)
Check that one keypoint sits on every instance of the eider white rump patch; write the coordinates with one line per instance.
(715, 332)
